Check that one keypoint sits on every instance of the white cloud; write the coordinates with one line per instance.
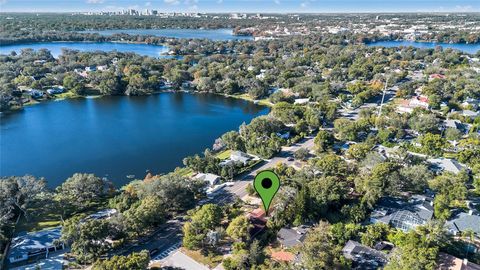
(304, 4)
(95, 1)
(133, 7)
(276, 2)
(191, 4)
(219, 1)
(171, 2)
(147, 4)
(466, 8)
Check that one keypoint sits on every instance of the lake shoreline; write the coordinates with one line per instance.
(470, 48)
(163, 129)
(74, 96)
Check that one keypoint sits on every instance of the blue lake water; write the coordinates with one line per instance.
(213, 34)
(116, 136)
(468, 48)
(56, 47)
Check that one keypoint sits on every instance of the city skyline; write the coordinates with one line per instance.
(249, 6)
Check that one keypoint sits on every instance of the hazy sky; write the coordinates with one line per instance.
(281, 6)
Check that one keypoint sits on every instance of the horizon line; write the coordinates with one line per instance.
(228, 12)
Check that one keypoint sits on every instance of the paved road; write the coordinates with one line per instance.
(353, 114)
(167, 236)
(239, 188)
(167, 239)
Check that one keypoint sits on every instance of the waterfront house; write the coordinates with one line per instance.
(239, 156)
(210, 178)
(55, 90)
(34, 244)
(35, 93)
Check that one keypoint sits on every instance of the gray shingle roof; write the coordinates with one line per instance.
(364, 257)
(290, 237)
(464, 221)
(34, 242)
(403, 214)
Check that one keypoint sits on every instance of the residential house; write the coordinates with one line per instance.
(39, 62)
(103, 214)
(35, 244)
(449, 262)
(290, 237)
(301, 100)
(102, 68)
(437, 76)
(439, 165)
(282, 256)
(81, 72)
(471, 103)
(456, 124)
(91, 68)
(284, 135)
(55, 90)
(258, 219)
(35, 93)
(462, 222)
(239, 156)
(210, 178)
(364, 257)
(402, 214)
(469, 113)
(408, 105)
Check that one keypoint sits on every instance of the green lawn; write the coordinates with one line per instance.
(67, 94)
(264, 101)
(39, 219)
(183, 171)
(224, 154)
(45, 216)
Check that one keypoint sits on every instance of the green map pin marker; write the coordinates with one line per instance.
(266, 184)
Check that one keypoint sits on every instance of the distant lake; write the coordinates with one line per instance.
(468, 48)
(56, 47)
(116, 136)
(213, 34)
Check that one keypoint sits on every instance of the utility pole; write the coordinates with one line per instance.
(381, 104)
(383, 97)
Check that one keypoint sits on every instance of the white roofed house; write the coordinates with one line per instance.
(210, 178)
(34, 244)
(469, 113)
(239, 156)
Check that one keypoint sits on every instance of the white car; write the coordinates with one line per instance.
(229, 184)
